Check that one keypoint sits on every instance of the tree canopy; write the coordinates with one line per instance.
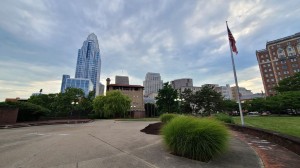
(114, 104)
(166, 99)
(289, 84)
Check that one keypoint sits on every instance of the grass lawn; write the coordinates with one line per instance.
(286, 125)
(138, 119)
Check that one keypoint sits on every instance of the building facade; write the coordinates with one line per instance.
(152, 83)
(89, 62)
(184, 82)
(81, 83)
(278, 61)
(134, 92)
(122, 80)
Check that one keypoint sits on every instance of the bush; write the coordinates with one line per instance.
(194, 138)
(29, 111)
(224, 117)
(165, 118)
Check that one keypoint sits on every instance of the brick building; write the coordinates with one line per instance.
(278, 61)
(134, 92)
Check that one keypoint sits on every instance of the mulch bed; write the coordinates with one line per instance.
(153, 129)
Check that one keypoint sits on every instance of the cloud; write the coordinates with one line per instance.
(178, 39)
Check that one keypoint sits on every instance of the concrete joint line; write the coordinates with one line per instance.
(135, 157)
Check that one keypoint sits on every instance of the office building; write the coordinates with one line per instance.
(278, 61)
(81, 83)
(89, 62)
(184, 82)
(152, 83)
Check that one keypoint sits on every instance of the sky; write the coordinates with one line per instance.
(178, 39)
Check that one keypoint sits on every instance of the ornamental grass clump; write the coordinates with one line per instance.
(224, 117)
(194, 138)
(167, 117)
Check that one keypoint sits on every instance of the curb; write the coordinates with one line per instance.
(44, 123)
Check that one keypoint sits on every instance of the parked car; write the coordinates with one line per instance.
(253, 113)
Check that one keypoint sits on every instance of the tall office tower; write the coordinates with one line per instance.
(279, 60)
(152, 83)
(89, 62)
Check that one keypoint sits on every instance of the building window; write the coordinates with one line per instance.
(280, 53)
(264, 65)
(269, 65)
(270, 70)
(283, 61)
(266, 75)
(279, 73)
(271, 74)
(290, 51)
(298, 48)
(284, 67)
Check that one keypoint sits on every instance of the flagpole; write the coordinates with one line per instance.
(236, 83)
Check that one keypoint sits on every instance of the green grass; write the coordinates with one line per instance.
(284, 125)
(138, 119)
(224, 118)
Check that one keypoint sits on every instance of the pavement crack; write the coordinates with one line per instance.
(128, 153)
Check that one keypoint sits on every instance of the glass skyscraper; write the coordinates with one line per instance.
(89, 62)
(88, 68)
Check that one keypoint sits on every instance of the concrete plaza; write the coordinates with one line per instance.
(104, 143)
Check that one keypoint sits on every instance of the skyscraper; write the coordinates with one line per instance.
(152, 83)
(89, 62)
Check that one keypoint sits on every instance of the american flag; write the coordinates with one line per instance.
(232, 41)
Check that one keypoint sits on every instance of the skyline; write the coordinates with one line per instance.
(178, 39)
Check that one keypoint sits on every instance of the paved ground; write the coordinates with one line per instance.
(104, 143)
(272, 155)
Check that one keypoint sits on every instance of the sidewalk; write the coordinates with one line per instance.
(49, 122)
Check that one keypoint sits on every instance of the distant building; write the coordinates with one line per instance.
(134, 92)
(122, 80)
(278, 61)
(245, 94)
(194, 89)
(152, 83)
(184, 82)
(224, 90)
(150, 98)
(82, 83)
(101, 89)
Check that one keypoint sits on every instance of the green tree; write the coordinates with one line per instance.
(165, 99)
(208, 100)
(188, 103)
(229, 106)
(289, 84)
(114, 104)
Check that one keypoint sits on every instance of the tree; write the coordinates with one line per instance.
(165, 99)
(114, 104)
(229, 106)
(208, 100)
(289, 84)
(188, 105)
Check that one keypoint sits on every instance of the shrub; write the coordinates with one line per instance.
(194, 138)
(165, 118)
(224, 117)
(29, 111)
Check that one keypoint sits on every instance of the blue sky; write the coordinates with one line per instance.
(178, 39)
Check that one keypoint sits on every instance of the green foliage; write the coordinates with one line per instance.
(224, 118)
(29, 111)
(289, 84)
(199, 139)
(165, 99)
(208, 100)
(4, 104)
(114, 104)
(229, 106)
(167, 117)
